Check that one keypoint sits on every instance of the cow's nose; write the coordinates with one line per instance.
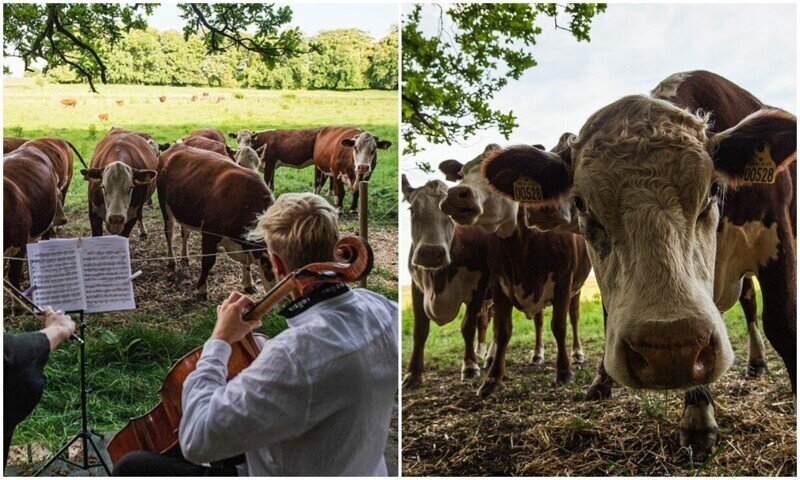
(668, 356)
(430, 256)
(363, 169)
(460, 201)
(116, 219)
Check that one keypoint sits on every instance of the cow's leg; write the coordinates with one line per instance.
(422, 326)
(128, 228)
(15, 267)
(95, 222)
(209, 249)
(265, 271)
(142, 228)
(603, 383)
(483, 324)
(756, 360)
(169, 226)
(185, 232)
(558, 325)
(537, 354)
(779, 315)
(574, 319)
(338, 187)
(502, 335)
(319, 180)
(247, 279)
(469, 326)
(354, 203)
(698, 428)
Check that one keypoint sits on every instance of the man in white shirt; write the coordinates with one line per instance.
(319, 397)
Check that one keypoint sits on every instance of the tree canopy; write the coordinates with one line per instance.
(451, 75)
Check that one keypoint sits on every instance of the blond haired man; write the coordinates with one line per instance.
(319, 397)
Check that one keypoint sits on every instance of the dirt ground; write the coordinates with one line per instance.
(534, 428)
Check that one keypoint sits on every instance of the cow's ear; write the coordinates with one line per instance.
(527, 174)
(92, 173)
(758, 148)
(163, 146)
(407, 188)
(539, 146)
(143, 177)
(349, 142)
(384, 144)
(452, 170)
(233, 135)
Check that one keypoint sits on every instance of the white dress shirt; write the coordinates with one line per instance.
(316, 401)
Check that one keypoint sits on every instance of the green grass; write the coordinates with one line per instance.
(130, 353)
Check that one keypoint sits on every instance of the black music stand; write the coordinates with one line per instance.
(85, 434)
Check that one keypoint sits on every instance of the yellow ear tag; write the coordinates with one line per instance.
(761, 169)
(527, 189)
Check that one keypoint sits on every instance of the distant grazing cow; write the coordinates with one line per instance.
(103, 117)
(69, 102)
(205, 94)
(205, 191)
(680, 195)
(530, 269)
(194, 98)
(245, 155)
(12, 143)
(449, 268)
(31, 204)
(162, 98)
(120, 179)
(120, 102)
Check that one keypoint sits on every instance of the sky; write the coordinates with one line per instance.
(375, 19)
(633, 47)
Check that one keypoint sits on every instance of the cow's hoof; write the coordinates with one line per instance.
(755, 369)
(598, 391)
(203, 296)
(701, 441)
(536, 359)
(250, 290)
(564, 377)
(578, 357)
(411, 381)
(489, 386)
(468, 373)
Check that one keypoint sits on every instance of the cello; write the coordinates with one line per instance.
(157, 430)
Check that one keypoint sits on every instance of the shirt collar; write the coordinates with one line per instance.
(302, 304)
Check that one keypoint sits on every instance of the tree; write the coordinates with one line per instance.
(75, 35)
(450, 77)
(342, 59)
(383, 71)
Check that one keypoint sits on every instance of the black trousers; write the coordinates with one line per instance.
(149, 464)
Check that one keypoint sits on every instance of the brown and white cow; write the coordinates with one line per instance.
(120, 178)
(347, 155)
(245, 155)
(448, 269)
(12, 143)
(205, 191)
(31, 204)
(530, 269)
(661, 188)
(290, 147)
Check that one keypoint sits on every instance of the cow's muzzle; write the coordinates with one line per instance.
(362, 169)
(115, 223)
(461, 205)
(431, 257)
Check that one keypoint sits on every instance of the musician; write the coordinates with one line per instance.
(319, 397)
(24, 358)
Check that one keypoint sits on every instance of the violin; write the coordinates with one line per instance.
(157, 430)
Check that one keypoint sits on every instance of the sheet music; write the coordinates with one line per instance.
(106, 265)
(55, 269)
(93, 275)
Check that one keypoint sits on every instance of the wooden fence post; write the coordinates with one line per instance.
(363, 217)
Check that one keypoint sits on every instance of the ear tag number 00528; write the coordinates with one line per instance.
(761, 168)
(527, 189)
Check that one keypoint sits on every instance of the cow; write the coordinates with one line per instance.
(680, 195)
(103, 117)
(68, 102)
(120, 177)
(194, 98)
(448, 269)
(207, 132)
(31, 204)
(530, 269)
(211, 145)
(347, 155)
(205, 191)
(245, 155)
(120, 102)
(162, 98)
(12, 143)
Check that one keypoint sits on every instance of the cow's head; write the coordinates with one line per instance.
(472, 202)
(248, 158)
(365, 151)
(645, 179)
(431, 230)
(244, 138)
(117, 181)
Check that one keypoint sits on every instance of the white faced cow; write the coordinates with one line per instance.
(662, 187)
(246, 156)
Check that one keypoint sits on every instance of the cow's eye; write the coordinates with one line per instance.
(714, 190)
(580, 205)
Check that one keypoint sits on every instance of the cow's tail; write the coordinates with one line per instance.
(78, 154)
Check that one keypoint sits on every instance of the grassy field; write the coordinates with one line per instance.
(129, 353)
(536, 428)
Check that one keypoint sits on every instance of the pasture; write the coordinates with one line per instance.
(130, 352)
(535, 428)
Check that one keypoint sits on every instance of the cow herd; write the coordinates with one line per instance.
(674, 199)
(202, 185)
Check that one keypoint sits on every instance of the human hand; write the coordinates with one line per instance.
(57, 326)
(230, 326)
